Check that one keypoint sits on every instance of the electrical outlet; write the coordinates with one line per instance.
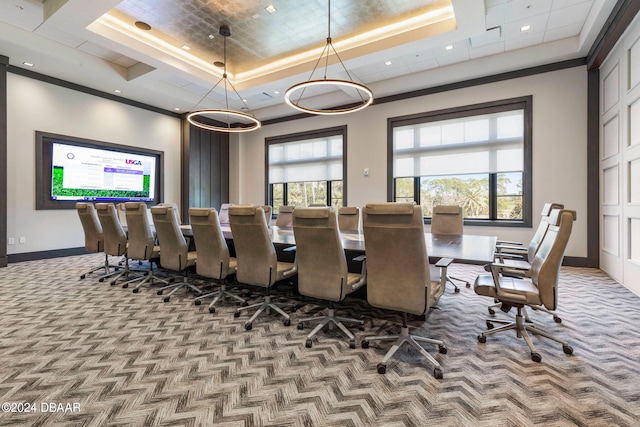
(365, 172)
(11, 240)
(22, 240)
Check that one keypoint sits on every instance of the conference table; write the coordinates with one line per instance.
(467, 248)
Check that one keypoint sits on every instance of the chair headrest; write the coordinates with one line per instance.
(102, 206)
(348, 210)
(548, 207)
(134, 206)
(389, 208)
(311, 213)
(160, 210)
(556, 214)
(447, 210)
(200, 212)
(286, 209)
(82, 205)
(244, 210)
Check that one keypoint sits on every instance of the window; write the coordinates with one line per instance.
(477, 157)
(306, 168)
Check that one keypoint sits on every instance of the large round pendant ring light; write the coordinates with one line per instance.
(293, 96)
(231, 121)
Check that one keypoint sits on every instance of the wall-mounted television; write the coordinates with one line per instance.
(69, 170)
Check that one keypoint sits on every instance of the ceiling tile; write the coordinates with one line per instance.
(523, 42)
(568, 15)
(517, 10)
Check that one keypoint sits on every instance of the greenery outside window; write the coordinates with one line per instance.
(477, 157)
(306, 168)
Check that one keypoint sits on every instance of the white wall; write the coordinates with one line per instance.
(34, 105)
(559, 147)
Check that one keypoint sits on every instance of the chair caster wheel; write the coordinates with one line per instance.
(125, 286)
(382, 368)
(101, 279)
(135, 290)
(286, 322)
(159, 292)
(166, 299)
(83, 276)
(294, 308)
(308, 344)
(437, 373)
(352, 344)
(244, 304)
(248, 326)
(364, 344)
(489, 325)
(468, 285)
(300, 326)
(197, 302)
(361, 327)
(212, 310)
(236, 314)
(456, 290)
(567, 349)
(113, 283)
(492, 311)
(557, 319)
(442, 349)
(535, 356)
(482, 339)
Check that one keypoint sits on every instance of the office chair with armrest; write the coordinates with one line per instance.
(349, 218)
(223, 214)
(540, 289)
(285, 217)
(174, 250)
(214, 261)
(267, 213)
(448, 220)
(93, 236)
(142, 243)
(258, 264)
(516, 258)
(322, 267)
(115, 239)
(399, 276)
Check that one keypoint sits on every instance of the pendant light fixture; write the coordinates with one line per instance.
(293, 96)
(231, 121)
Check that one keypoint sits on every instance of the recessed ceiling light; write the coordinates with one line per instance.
(525, 28)
(177, 109)
(186, 47)
(388, 63)
(211, 37)
(270, 8)
(244, 100)
(117, 91)
(28, 64)
(143, 25)
(449, 47)
(276, 92)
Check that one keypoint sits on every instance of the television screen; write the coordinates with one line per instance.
(83, 173)
(70, 169)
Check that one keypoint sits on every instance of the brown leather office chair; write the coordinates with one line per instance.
(285, 217)
(142, 243)
(540, 289)
(322, 267)
(349, 218)
(174, 250)
(449, 221)
(93, 236)
(399, 276)
(257, 260)
(214, 261)
(115, 240)
(516, 258)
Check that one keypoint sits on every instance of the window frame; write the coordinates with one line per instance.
(524, 103)
(301, 136)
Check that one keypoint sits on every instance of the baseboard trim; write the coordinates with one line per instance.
(575, 261)
(55, 253)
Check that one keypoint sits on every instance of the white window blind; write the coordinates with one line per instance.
(488, 143)
(318, 159)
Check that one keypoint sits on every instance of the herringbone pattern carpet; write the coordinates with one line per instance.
(130, 359)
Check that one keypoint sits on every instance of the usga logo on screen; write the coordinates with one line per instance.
(133, 162)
